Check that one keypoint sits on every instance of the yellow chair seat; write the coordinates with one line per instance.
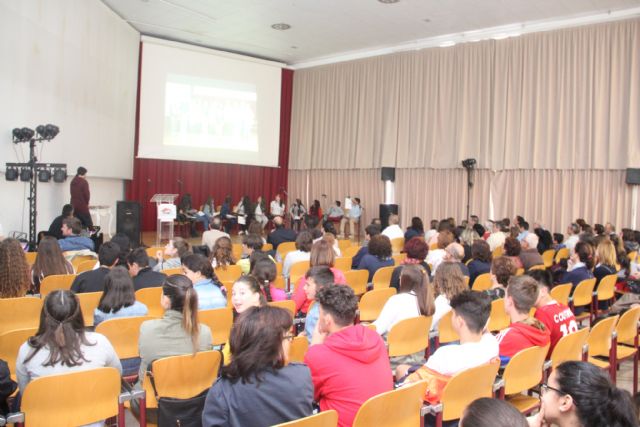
(622, 351)
(523, 403)
(602, 364)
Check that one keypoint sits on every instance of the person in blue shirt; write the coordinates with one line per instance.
(316, 278)
(72, 241)
(198, 269)
(118, 298)
(353, 218)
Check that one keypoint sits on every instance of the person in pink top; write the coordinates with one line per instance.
(349, 363)
(265, 272)
(321, 254)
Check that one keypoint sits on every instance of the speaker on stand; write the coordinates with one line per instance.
(128, 221)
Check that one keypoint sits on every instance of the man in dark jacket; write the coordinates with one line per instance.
(143, 275)
(55, 229)
(280, 234)
(93, 280)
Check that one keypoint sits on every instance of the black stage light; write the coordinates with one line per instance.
(44, 175)
(27, 134)
(59, 175)
(11, 174)
(25, 174)
(51, 131)
(40, 130)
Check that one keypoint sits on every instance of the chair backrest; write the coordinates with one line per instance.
(583, 294)
(19, 313)
(382, 277)
(561, 293)
(632, 256)
(285, 247)
(298, 348)
(467, 386)
(537, 267)
(236, 250)
(497, 252)
(627, 327)
(54, 282)
(288, 305)
(228, 272)
(279, 268)
(409, 336)
(398, 258)
(562, 253)
(396, 408)
(298, 270)
(357, 280)
(397, 244)
(10, 343)
(547, 257)
(71, 399)
(30, 257)
(153, 251)
(482, 282)
(343, 263)
(599, 339)
(77, 260)
(279, 283)
(327, 418)
(123, 334)
(569, 347)
(219, 320)
(519, 271)
(524, 370)
(171, 271)
(498, 319)
(607, 287)
(88, 303)
(267, 247)
(446, 333)
(185, 376)
(351, 251)
(86, 266)
(344, 244)
(371, 303)
(151, 298)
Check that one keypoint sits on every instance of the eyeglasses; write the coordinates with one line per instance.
(544, 387)
(289, 337)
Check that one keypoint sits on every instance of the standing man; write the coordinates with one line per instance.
(80, 197)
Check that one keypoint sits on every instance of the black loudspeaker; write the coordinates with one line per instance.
(128, 221)
(633, 176)
(388, 174)
(385, 212)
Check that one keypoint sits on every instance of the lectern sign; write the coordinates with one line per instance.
(166, 212)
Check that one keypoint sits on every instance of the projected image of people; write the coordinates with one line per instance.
(210, 113)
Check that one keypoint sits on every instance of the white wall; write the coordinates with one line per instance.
(72, 63)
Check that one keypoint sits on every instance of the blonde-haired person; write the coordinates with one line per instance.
(605, 265)
(448, 282)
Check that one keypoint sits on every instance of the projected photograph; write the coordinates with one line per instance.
(206, 113)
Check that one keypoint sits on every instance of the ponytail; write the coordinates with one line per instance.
(184, 298)
(266, 288)
(414, 278)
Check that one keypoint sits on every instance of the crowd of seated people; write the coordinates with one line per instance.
(346, 362)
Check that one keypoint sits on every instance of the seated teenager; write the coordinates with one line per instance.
(369, 231)
(72, 240)
(143, 275)
(198, 269)
(580, 265)
(480, 260)
(502, 269)
(124, 243)
(315, 279)
(524, 331)
(222, 253)
(470, 315)
(488, 412)
(416, 250)
(512, 249)
(349, 363)
(321, 254)
(259, 376)
(378, 256)
(175, 250)
(335, 212)
(49, 261)
(265, 272)
(448, 283)
(14, 269)
(557, 318)
(250, 243)
(7, 387)
(304, 241)
(118, 298)
(61, 344)
(55, 229)
(93, 280)
(416, 229)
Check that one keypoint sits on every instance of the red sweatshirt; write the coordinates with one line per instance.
(350, 367)
(521, 335)
(300, 297)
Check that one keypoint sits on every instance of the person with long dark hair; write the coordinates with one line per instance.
(226, 214)
(416, 229)
(480, 260)
(297, 212)
(315, 210)
(487, 412)
(222, 253)
(265, 272)
(260, 376)
(260, 212)
(118, 298)
(61, 344)
(198, 269)
(49, 261)
(14, 270)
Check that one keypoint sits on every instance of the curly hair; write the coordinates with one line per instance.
(503, 268)
(222, 253)
(449, 280)
(340, 302)
(512, 246)
(380, 246)
(14, 270)
(416, 248)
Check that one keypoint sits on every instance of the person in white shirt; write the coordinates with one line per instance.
(573, 232)
(335, 212)
(436, 256)
(432, 231)
(260, 214)
(211, 236)
(393, 231)
(304, 241)
(497, 237)
(353, 218)
(276, 208)
(448, 283)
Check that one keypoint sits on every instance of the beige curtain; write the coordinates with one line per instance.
(566, 99)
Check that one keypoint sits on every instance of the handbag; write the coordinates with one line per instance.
(174, 412)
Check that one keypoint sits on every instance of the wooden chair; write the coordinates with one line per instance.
(570, 347)
(284, 248)
(409, 336)
(446, 333)
(279, 283)
(344, 244)
(351, 251)
(602, 345)
(228, 272)
(267, 247)
(372, 302)
(10, 343)
(219, 320)
(288, 305)
(55, 282)
(561, 293)
(151, 298)
(79, 259)
(396, 408)
(397, 245)
(343, 263)
(171, 271)
(298, 349)
(398, 258)
(88, 303)
(519, 271)
(382, 277)
(562, 253)
(123, 334)
(279, 268)
(537, 267)
(632, 256)
(463, 389)
(547, 257)
(236, 250)
(86, 266)
(153, 251)
(72, 399)
(298, 270)
(321, 419)
(497, 252)
(433, 246)
(357, 280)
(605, 292)
(583, 297)
(30, 257)
(627, 348)
(19, 313)
(498, 319)
(524, 372)
(482, 282)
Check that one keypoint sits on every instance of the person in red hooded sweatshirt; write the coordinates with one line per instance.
(524, 331)
(349, 363)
